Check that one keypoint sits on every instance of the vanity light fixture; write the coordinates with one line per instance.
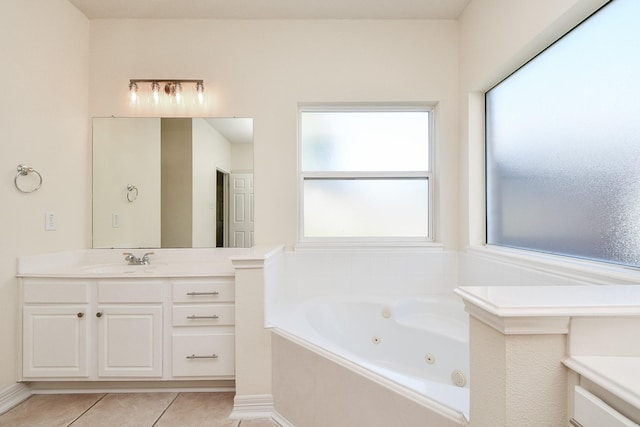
(172, 88)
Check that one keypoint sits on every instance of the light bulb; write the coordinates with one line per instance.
(178, 92)
(133, 92)
(200, 92)
(155, 90)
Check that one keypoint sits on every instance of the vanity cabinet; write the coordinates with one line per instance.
(591, 411)
(97, 329)
(203, 335)
(91, 329)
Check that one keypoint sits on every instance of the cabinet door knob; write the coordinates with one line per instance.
(99, 314)
(80, 315)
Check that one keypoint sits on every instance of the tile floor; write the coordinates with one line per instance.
(127, 410)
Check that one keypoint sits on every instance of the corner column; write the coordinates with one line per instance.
(253, 342)
(516, 353)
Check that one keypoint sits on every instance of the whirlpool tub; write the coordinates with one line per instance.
(416, 346)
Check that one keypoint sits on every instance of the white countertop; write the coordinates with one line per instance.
(103, 263)
(549, 301)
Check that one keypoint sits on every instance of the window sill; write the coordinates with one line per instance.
(377, 246)
(572, 268)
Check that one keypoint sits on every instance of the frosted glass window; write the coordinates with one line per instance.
(366, 207)
(365, 173)
(365, 140)
(563, 144)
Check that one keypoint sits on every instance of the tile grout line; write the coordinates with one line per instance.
(87, 410)
(165, 410)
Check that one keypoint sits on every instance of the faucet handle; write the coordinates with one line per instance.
(145, 257)
(129, 257)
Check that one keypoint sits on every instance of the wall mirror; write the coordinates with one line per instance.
(172, 182)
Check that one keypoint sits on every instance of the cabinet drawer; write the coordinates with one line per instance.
(203, 355)
(590, 411)
(130, 291)
(221, 290)
(55, 291)
(204, 315)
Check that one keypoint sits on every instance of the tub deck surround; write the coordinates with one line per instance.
(592, 329)
(547, 309)
(97, 263)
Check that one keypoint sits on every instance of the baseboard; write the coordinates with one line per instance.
(72, 387)
(13, 395)
(280, 420)
(252, 406)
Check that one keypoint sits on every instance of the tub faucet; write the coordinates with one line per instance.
(134, 260)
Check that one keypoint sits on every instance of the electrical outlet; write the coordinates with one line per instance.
(50, 221)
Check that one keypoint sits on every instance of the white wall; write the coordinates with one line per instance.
(263, 69)
(211, 151)
(44, 46)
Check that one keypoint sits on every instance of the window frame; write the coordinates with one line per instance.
(368, 175)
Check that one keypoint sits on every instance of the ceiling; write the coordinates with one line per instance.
(235, 130)
(271, 9)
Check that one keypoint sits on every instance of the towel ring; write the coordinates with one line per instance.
(132, 193)
(24, 170)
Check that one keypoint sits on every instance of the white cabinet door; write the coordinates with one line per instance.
(55, 341)
(129, 341)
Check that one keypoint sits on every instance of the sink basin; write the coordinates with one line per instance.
(116, 269)
(158, 269)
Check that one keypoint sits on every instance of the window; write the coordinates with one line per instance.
(563, 144)
(365, 173)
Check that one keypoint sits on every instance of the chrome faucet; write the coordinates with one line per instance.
(134, 260)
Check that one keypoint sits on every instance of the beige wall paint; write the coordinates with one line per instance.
(44, 45)
(263, 69)
(177, 175)
(241, 157)
(126, 152)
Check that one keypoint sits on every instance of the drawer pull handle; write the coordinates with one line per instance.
(193, 356)
(193, 294)
(574, 423)
(194, 317)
